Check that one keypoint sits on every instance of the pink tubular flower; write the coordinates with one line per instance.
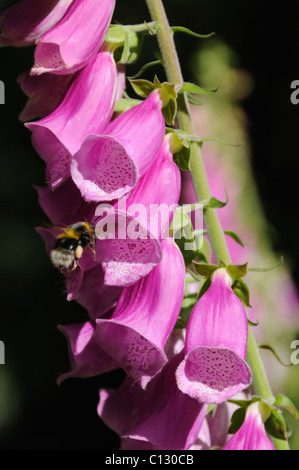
(24, 22)
(146, 215)
(108, 166)
(214, 368)
(75, 40)
(161, 417)
(44, 92)
(252, 434)
(86, 357)
(65, 205)
(86, 108)
(136, 333)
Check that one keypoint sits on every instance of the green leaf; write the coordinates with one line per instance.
(237, 420)
(214, 203)
(275, 425)
(284, 402)
(269, 348)
(144, 68)
(142, 87)
(200, 141)
(192, 88)
(235, 237)
(251, 323)
(237, 270)
(241, 290)
(264, 270)
(195, 101)
(182, 29)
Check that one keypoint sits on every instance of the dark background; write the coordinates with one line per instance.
(34, 412)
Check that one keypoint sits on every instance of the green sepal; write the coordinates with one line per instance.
(264, 270)
(211, 410)
(186, 309)
(241, 290)
(182, 29)
(269, 348)
(284, 402)
(142, 87)
(204, 270)
(235, 237)
(169, 111)
(167, 94)
(237, 420)
(203, 286)
(192, 88)
(243, 403)
(275, 425)
(237, 270)
(180, 147)
(123, 104)
(124, 43)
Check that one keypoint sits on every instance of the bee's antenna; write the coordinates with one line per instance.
(97, 218)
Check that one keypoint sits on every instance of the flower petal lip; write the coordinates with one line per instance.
(109, 165)
(214, 368)
(131, 335)
(23, 23)
(86, 108)
(44, 92)
(70, 44)
(213, 375)
(124, 260)
(86, 358)
(102, 170)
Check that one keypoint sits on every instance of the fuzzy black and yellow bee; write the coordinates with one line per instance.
(70, 244)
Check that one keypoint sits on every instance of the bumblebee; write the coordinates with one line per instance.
(70, 244)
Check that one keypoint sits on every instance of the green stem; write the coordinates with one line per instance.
(171, 63)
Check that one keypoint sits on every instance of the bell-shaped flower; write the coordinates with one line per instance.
(44, 92)
(86, 358)
(252, 434)
(145, 217)
(65, 205)
(214, 368)
(86, 108)
(95, 296)
(75, 40)
(161, 417)
(23, 23)
(108, 166)
(136, 333)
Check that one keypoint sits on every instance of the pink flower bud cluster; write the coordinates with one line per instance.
(132, 288)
